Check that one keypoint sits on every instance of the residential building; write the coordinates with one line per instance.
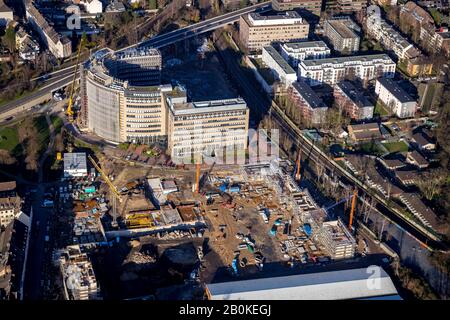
(419, 67)
(59, 46)
(120, 101)
(313, 6)
(345, 6)
(6, 14)
(294, 52)
(334, 70)
(9, 203)
(279, 67)
(205, 128)
(392, 164)
(342, 34)
(438, 4)
(364, 132)
(353, 101)
(390, 38)
(395, 98)
(416, 159)
(75, 164)
(423, 142)
(92, 6)
(28, 48)
(406, 177)
(78, 275)
(330, 285)
(311, 107)
(115, 6)
(421, 211)
(257, 30)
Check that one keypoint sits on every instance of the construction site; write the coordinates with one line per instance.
(203, 222)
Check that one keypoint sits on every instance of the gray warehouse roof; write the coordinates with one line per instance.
(333, 285)
(395, 89)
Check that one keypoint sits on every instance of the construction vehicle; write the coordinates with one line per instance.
(115, 193)
(69, 110)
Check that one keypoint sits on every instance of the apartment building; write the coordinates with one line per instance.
(364, 132)
(352, 100)
(395, 98)
(348, 6)
(390, 38)
(6, 14)
(294, 52)
(78, 275)
(116, 110)
(334, 70)
(279, 67)
(311, 107)
(59, 46)
(257, 30)
(9, 203)
(342, 33)
(313, 6)
(205, 128)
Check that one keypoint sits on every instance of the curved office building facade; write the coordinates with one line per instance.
(121, 110)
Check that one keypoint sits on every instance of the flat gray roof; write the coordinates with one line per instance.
(308, 94)
(75, 160)
(395, 89)
(332, 285)
(280, 60)
(370, 57)
(305, 44)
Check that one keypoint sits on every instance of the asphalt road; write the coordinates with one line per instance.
(62, 78)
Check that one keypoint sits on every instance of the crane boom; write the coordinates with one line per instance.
(69, 110)
(105, 177)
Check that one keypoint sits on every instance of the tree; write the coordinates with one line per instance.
(195, 16)
(153, 4)
(9, 39)
(216, 6)
(243, 3)
(6, 158)
(431, 182)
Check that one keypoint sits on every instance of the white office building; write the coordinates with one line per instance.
(279, 67)
(395, 98)
(294, 52)
(333, 70)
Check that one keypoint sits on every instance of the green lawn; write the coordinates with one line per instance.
(380, 109)
(371, 148)
(399, 146)
(9, 138)
(43, 132)
(57, 123)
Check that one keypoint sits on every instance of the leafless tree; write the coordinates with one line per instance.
(431, 182)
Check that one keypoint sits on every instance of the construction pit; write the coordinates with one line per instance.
(251, 218)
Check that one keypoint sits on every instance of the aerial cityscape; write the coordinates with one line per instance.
(224, 150)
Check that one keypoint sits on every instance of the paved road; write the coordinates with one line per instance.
(62, 78)
(36, 260)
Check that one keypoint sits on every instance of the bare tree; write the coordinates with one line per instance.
(431, 182)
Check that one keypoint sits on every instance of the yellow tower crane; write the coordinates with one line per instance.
(115, 193)
(69, 110)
